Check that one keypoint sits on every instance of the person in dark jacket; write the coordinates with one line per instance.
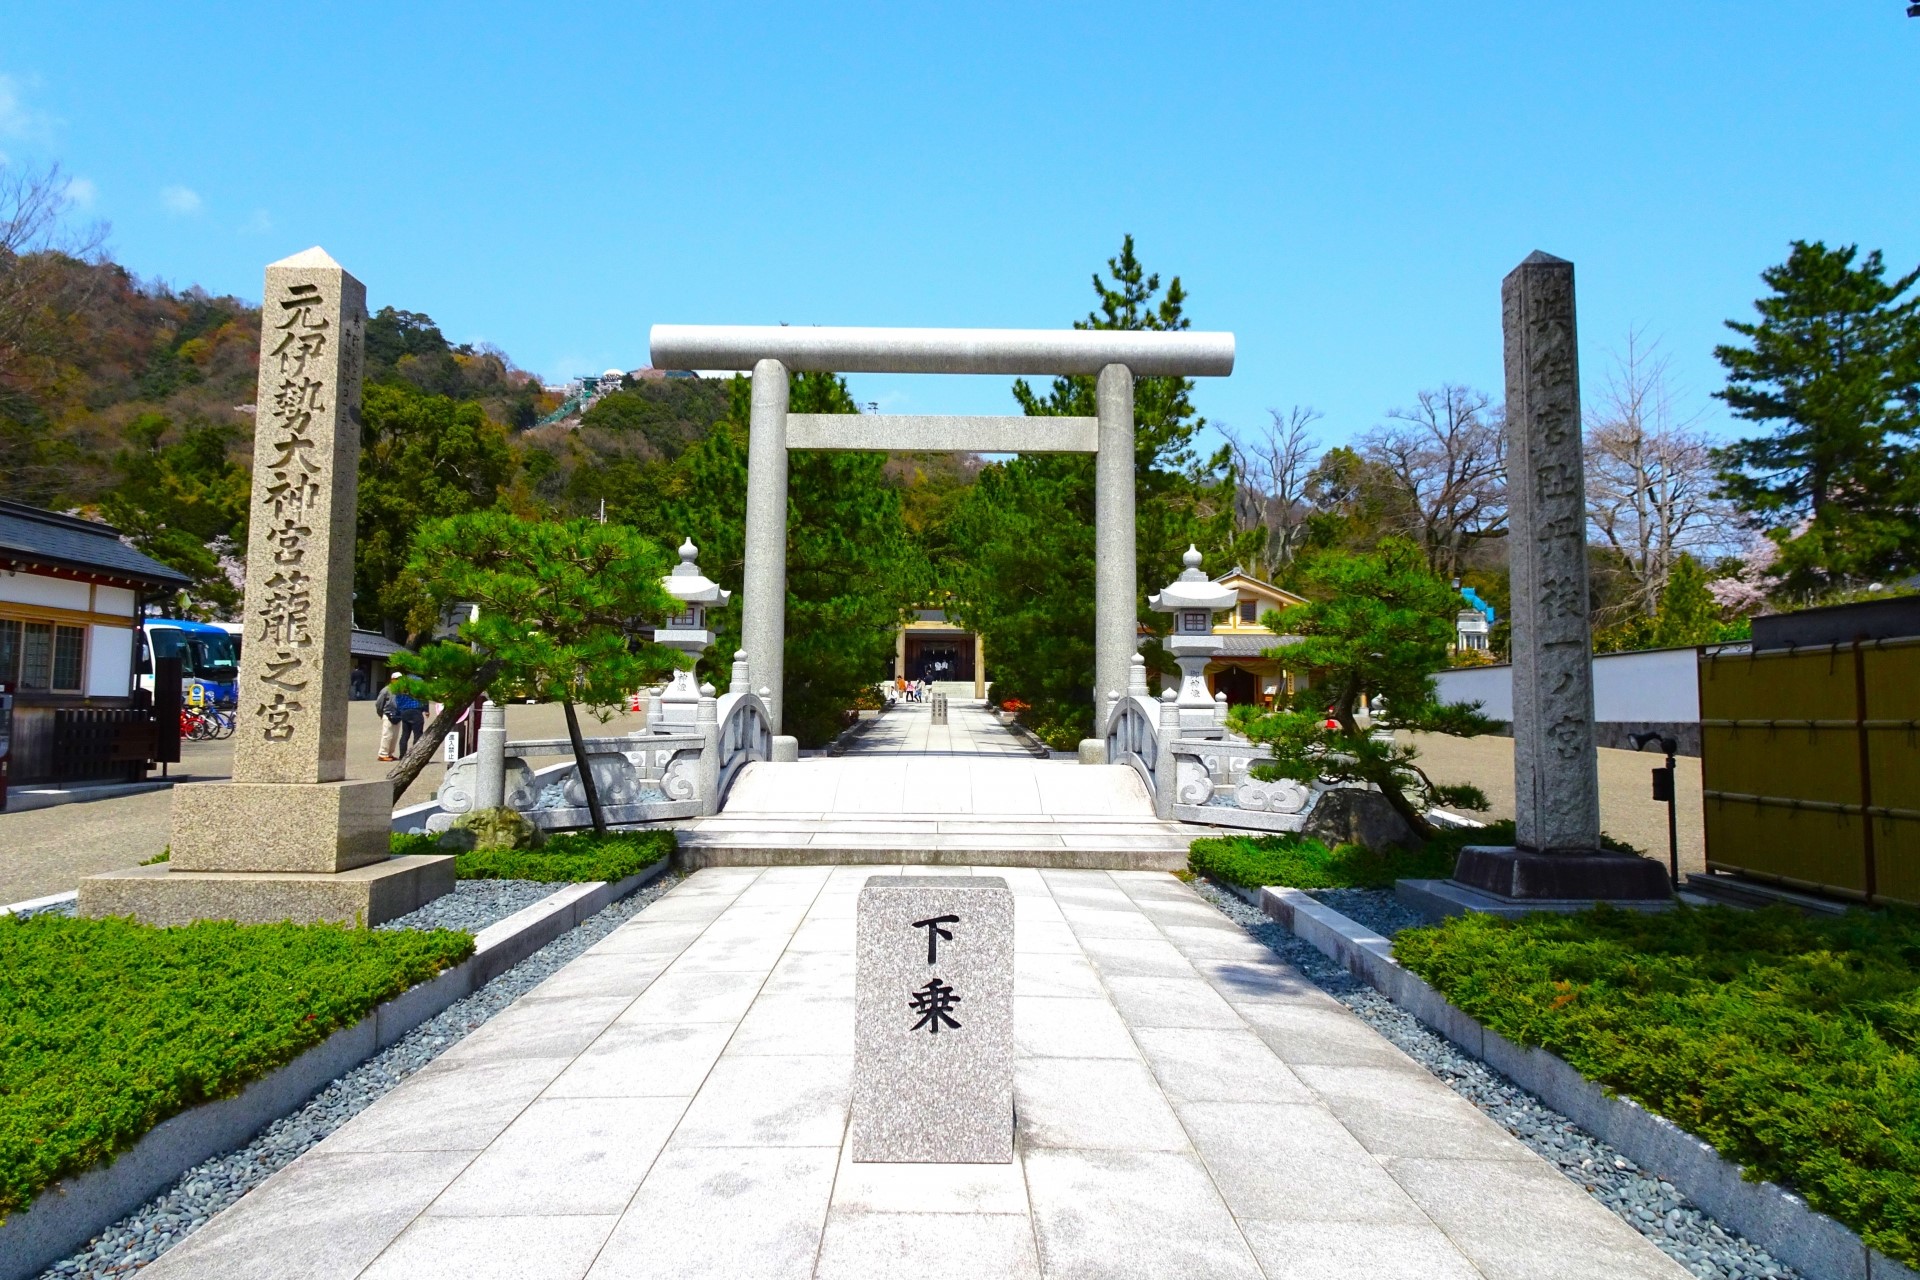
(413, 719)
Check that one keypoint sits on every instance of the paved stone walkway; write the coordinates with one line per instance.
(908, 729)
(674, 1104)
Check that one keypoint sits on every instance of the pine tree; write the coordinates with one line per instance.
(562, 607)
(1833, 367)
(1381, 621)
(1026, 528)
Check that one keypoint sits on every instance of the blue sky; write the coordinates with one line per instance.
(1342, 185)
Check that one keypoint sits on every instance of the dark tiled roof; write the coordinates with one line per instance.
(371, 644)
(36, 537)
(1250, 646)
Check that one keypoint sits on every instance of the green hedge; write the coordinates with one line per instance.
(1302, 862)
(108, 1027)
(1791, 1044)
(576, 858)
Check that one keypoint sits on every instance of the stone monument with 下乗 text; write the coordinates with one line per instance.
(289, 837)
(1557, 853)
(933, 1021)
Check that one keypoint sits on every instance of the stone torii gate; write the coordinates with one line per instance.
(1113, 357)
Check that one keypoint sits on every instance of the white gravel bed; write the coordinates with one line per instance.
(207, 1188)
(1653, 1207)
(475, 904)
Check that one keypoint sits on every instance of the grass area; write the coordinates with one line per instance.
(1302, 862)
(1791, 1044)
(108, 1027)
(575, 858)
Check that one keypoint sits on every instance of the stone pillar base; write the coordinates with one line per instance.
(364, 896)
(1521, 875)
(786, 749)
(280, 826)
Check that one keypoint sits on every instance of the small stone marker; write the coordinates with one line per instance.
(933, 1021)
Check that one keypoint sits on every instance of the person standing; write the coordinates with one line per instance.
(383, 706)
(413, 719)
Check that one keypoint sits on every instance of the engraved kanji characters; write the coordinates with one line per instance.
(279, 715)
(284, 612)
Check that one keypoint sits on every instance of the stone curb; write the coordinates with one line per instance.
(1764, 1212)
(850, 735)
(1029, 740)
(20, 800)
(72, 1211)
(40, 904)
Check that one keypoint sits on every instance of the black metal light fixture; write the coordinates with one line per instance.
(1663, 790)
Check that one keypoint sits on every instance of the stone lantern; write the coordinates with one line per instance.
(1192, 599)
(677, 708)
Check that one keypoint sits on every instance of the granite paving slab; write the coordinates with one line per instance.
(675, 1104)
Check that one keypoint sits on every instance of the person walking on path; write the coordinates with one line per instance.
(384, 706)
(413, 719)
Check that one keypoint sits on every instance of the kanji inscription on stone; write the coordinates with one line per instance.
(933, 1020)
(1556, 769)
(298, 606)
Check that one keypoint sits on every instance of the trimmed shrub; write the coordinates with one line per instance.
(1301, 862)
(575, 858)
(1791, 1044)
(108, 1027)
(578, 857)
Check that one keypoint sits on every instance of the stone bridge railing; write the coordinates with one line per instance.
(1198, 775)
(681, 766)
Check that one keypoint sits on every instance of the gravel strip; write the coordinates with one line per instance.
(1650, 1205)
(206, 1189)
(67, 908)
(475, 904)
(1377, 909)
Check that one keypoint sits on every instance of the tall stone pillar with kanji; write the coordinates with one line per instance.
(1557, 854)
(289, 837)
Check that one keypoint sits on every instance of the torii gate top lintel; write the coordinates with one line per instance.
(1114, 357)
(1025, 352)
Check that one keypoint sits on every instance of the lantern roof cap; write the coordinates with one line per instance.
(688, 585)
(1192, 590)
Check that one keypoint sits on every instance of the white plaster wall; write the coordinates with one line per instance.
(115, 600)
(1490, 686)
(1655, 687)
(54, 593)
(109, 661)
(1658, 686)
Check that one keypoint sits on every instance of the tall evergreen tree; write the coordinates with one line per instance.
(421, 457)
(1832, 367)
(848, 572)
(1027, 524)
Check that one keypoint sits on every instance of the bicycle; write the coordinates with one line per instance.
(203, 724)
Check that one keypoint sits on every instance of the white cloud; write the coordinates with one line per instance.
(82, 192)
(259, 222)
(181, 200)
(17, 120)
